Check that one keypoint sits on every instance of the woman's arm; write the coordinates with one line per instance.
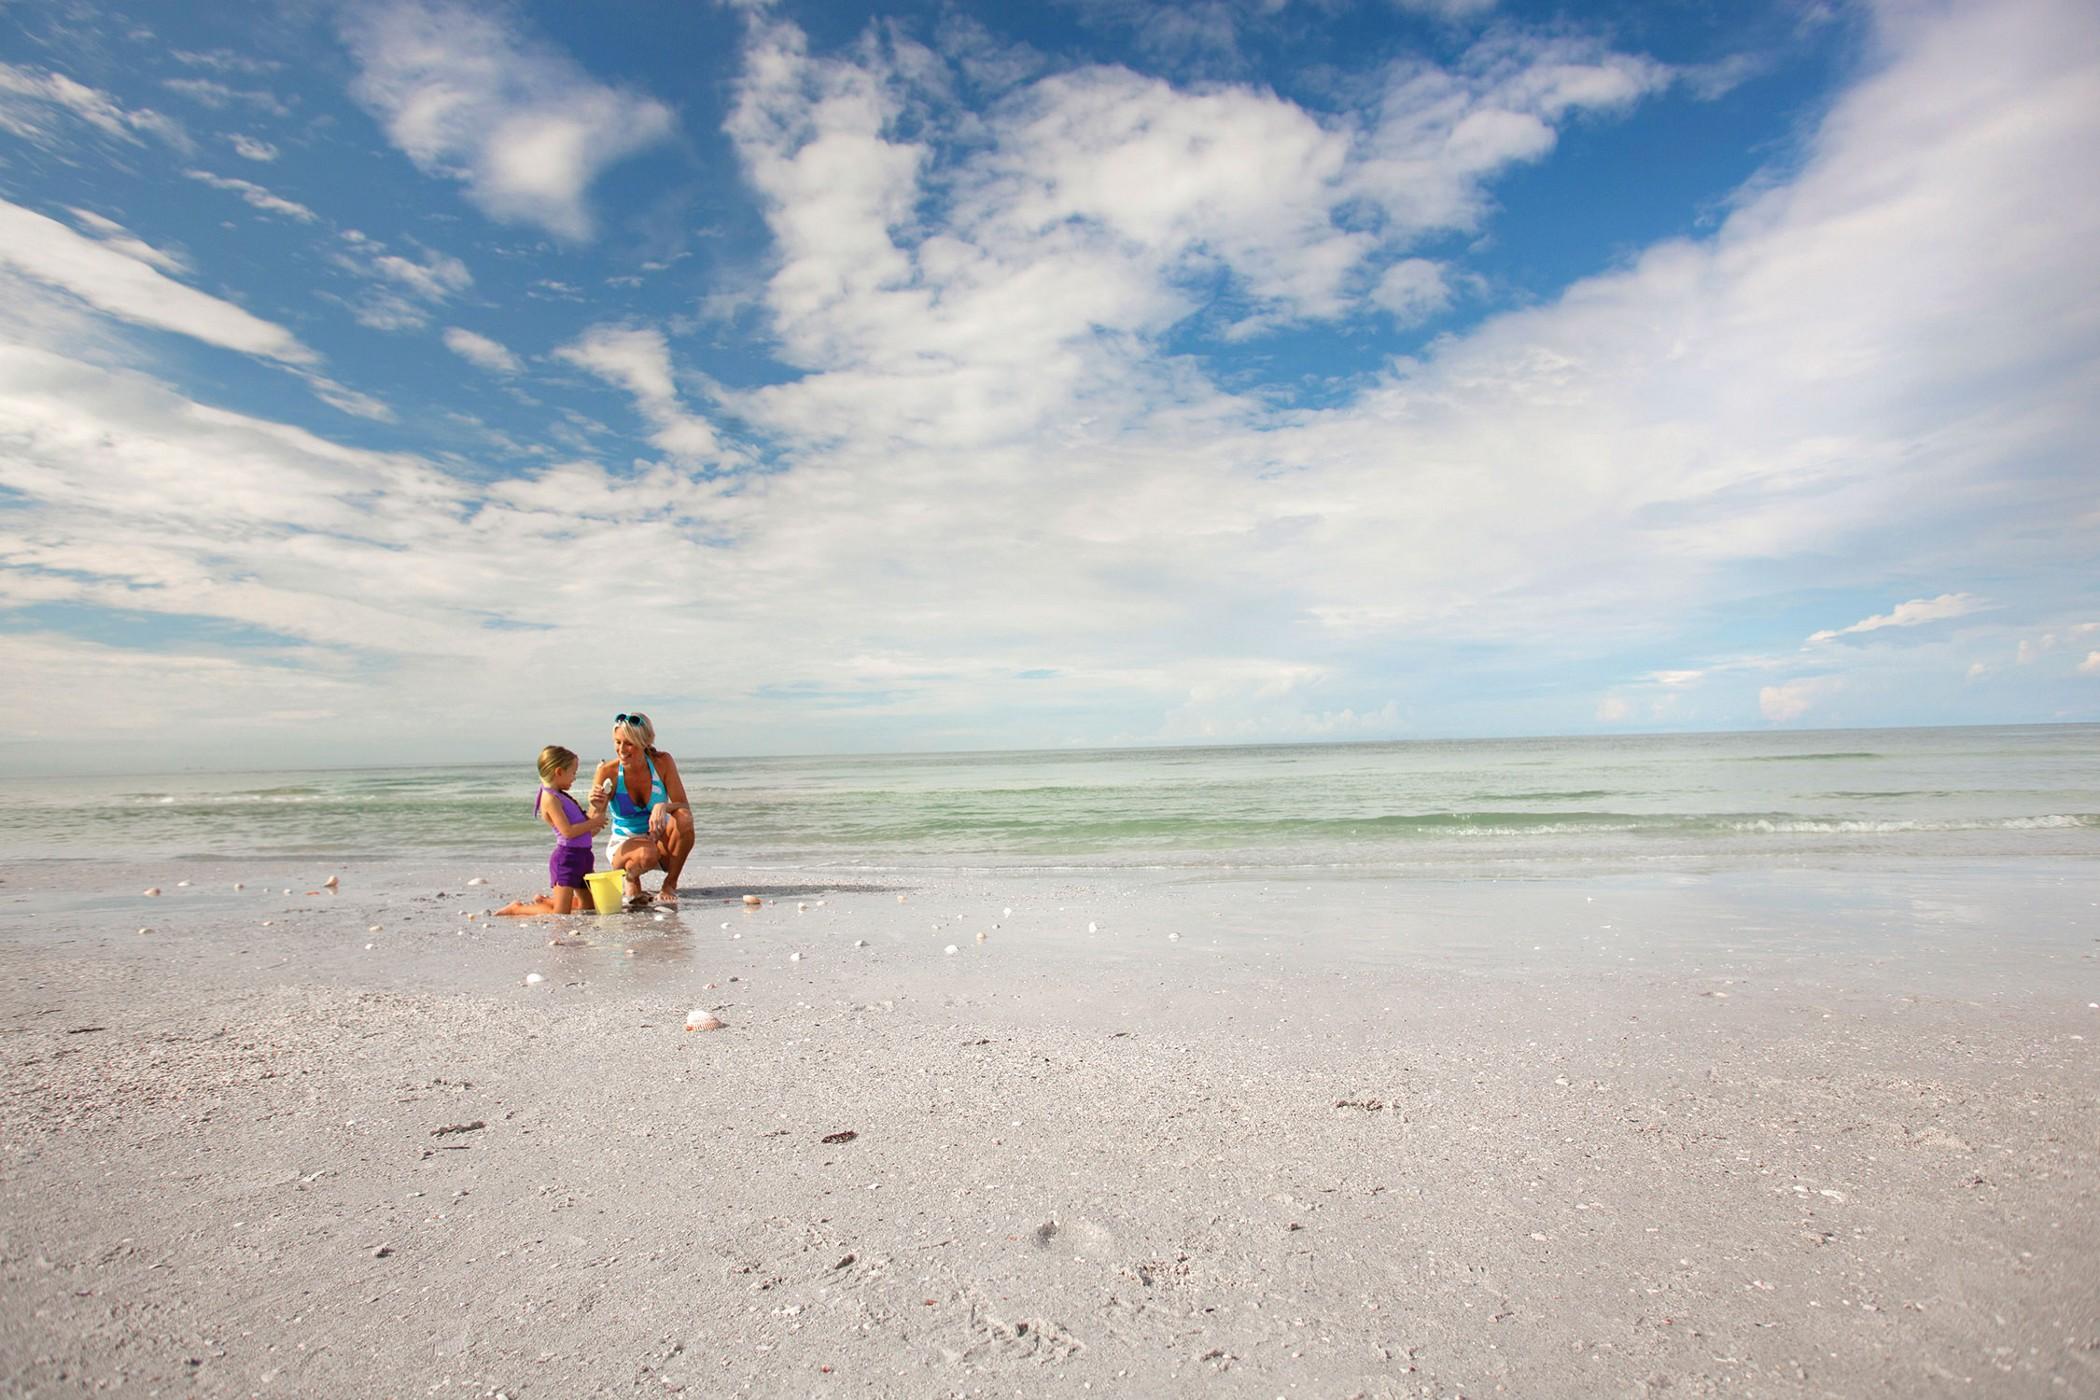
(674, 793)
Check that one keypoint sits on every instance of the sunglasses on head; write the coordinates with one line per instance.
(636, 719)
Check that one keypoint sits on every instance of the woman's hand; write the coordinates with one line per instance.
(659, 820)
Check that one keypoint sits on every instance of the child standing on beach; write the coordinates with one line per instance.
(574, 827)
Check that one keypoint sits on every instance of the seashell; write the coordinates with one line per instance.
(372, 928)
(1093, 928)
(1006, 913)
(287, 889)
(900, 899)
(1173, 938)
(477, 880)
(661, 917)
(328, 884)
(182, 884)
(533, 979)
(725, 926)
(145, 930)
(982, 935)
(267, 922)
(370, 946)
(820, 904)
(860, 942)
(802, 909)
(752, 901)
(239, 886)
(794, 957)
(701, 1019)
(951, 950)
(154, 891)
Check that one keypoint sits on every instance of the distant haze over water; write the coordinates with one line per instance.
(1473, 806)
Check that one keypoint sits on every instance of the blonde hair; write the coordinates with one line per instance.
(638, 728)
(553, 759)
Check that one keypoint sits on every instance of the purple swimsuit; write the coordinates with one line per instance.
(571, 860)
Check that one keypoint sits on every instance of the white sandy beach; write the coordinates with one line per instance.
(1783, 1133)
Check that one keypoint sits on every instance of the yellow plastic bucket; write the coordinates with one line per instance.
(606, 888)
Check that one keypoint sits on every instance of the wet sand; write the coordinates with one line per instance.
(1770, 1133)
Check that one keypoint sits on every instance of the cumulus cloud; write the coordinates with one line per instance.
(1911, 614)
(1790, 700)
(135, 290)
(638, 359)
(252, 148)
(2091, 665)
(480, 350)
(519, 123)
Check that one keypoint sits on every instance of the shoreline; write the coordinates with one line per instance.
(1760, 1136)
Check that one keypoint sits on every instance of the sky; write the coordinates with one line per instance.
(403, 381)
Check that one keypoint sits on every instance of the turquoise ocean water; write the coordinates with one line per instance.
(1488, 806)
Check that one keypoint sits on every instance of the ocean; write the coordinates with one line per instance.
(1488, 807)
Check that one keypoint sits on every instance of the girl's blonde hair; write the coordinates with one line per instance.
(638, 729)
(553, 759)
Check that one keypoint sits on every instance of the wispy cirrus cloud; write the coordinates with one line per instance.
(467, 96)
(477, 349)
(35, 103)
(1914, 613)
(255, 196)
(638, 359)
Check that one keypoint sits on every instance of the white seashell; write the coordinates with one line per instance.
(370, 946)
(820, 904)
(661, 917)
(477, 880)
(1093, 928)
(752, 901)
(725, 926)
(1006, 913)
(802, 909)
(267, 922)
(860, 942)
(154, 891)
(900, 899)
(533, 979)
(287, 890)
(372, 928)
(951, 950)
(328, 884)
(182, 884)
(982, 935)
(701, 1019)
(239, 886)
(794, 957)
(1173, 938)
(145, 930)
(736, 935)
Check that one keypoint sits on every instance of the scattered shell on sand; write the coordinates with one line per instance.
(951, 950)
(370, 946)
(477, 880)
(752, 901)
(371, 928)
(701, 1019)
(1173, 938)
(533, 979)
(145, 930)
(154, 891)
(182, 884)
(794, 957)
(239, 886)
(725, 926)
(1006, 913)
(860, 942)
(328, 884)
(661, 917)
(982, 935)
(267, 922)
(287, 889)
(802, 909)
(900, 899)
(820, 904)
(1093, 928)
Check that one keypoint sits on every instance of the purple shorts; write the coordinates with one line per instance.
(567, 867)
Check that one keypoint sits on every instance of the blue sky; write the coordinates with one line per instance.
(404, 380)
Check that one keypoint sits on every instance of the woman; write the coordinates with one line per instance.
(651, 820)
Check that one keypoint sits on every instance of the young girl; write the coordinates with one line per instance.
(571, 860)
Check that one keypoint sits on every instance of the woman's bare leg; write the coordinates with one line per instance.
(678, 844)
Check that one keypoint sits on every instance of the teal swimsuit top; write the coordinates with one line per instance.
(628, 819)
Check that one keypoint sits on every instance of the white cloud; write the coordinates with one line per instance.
(1613, 709)
(407, 287)
(114, 235)
(255, 195)
(1446, 9)
(519, 123)
(480, 350)
(1412, 290)
(638, 359)
(32, 101)
(1911, 614)
(104, 277)
(1787, 702)
(2091, 665)
(218, 96)
(252, 148)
